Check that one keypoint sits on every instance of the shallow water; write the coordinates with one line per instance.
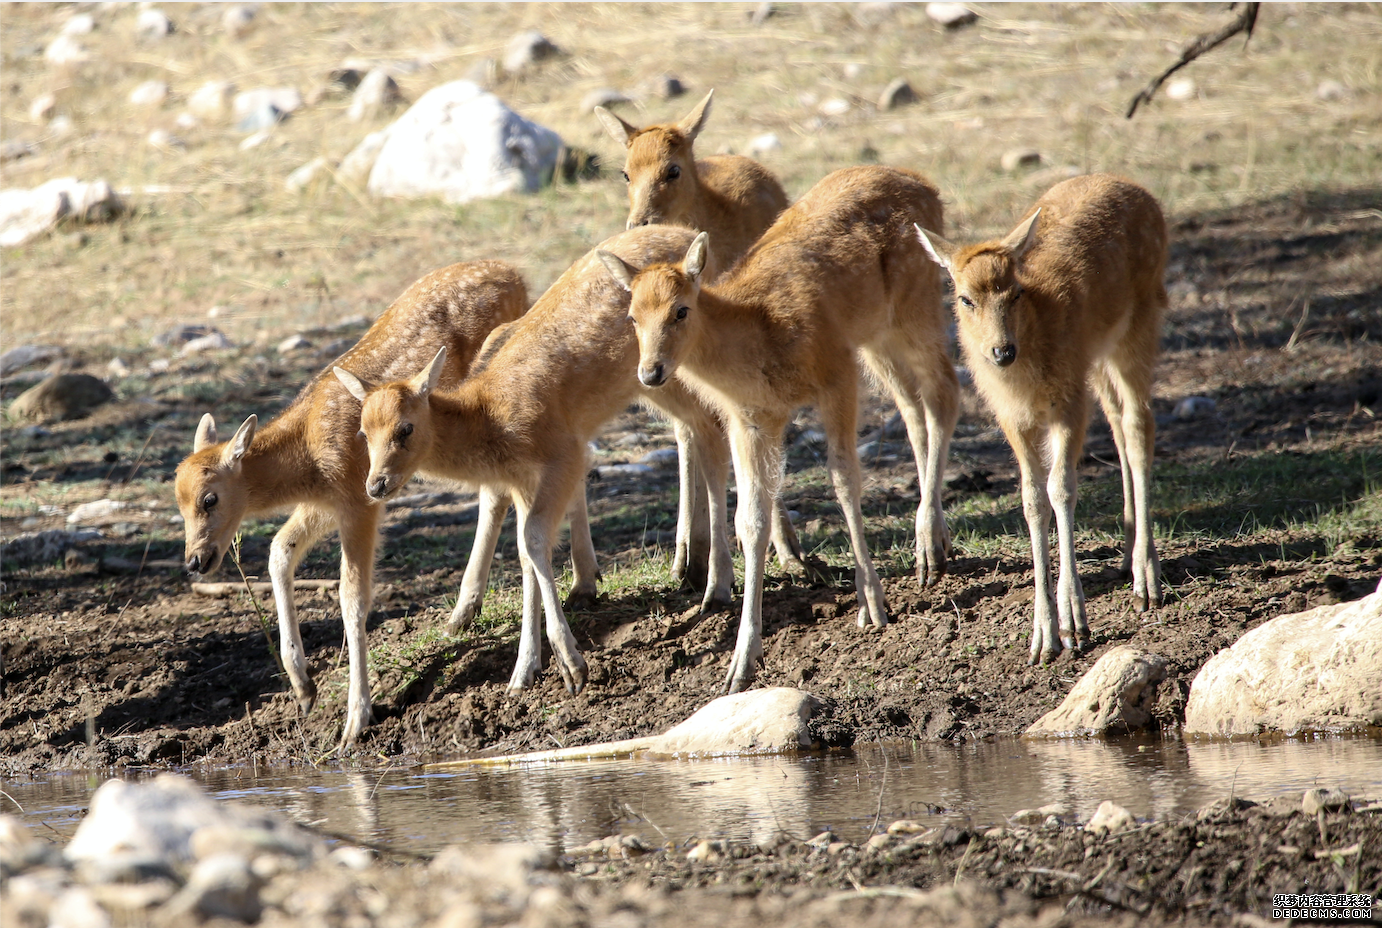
(567, 805)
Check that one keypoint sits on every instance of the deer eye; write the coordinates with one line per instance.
(674, 172)
(626, 176)
(403, 432)
(682, 311)
(966, 302)
(209, 502)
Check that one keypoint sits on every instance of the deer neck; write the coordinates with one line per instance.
(279, 468)
(468, 435)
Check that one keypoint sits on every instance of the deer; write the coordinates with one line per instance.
(307, 459)
(838, 278)
(733, 198)
(1071, 298)
(520, 423)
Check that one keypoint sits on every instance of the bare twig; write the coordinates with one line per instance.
(1210, 40)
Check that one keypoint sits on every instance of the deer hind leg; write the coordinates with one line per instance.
(755, 472)
(926, 392)
(1132, 383)
(359, 537)
(690, 564)
(304, 528)
(1113, 411)
(529, 661)
(1036, 508)
(710, 449)
(493, 505)
(537, 524)
(1065, 440)
(584, 568)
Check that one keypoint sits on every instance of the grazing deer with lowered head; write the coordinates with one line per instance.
(307, 458)
(520, 423)
(838, 277)
(1070, 298)
(733, 198)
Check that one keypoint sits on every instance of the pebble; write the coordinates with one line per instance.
(375, 95)
(1182, 88)
(1038, 816)
(284, 99)
(153, 23)
(602, 96)
(1331, 90)
(215, 341)
(707, 851)
(358, 859)
(302, 178)
(149, 93)
(1110, 819)
(1195, 407)
(211, 99)
(906, 826)
(1328, 799)
(666, 86)
(950, 15)
(897, 94)
(1020, 158)
(65, 50)
(526, 49)
(765, 143)
(237, 21)
(260, 119)
(255, 140)
(178, 334)
(80, 24)
(835, 106)
(43, 107)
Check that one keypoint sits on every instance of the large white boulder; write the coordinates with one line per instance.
(1115, 696)
(1319, 670)
(27, 214)
(460, 142)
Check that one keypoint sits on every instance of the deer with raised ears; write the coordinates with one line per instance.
(839, 277)
(733, 198)
(307, 459)
(1071, 298)
(521, 421)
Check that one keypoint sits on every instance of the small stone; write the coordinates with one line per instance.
(284, 99)
(896, 94)
(706, 852)
(1110, 819)
(186, 121)
(1327, 799)
(603, 96)
(255, 140)
(238, 20)
(1020, 158)
(293, 343)
(61, 397)
(526, 49)
(65, 50)
(765, 143)
(1331, 90)
(660, 457)
(950, 15)
(1182, 88)
(16, 359)
(1038, 816)
(261, 119)
(1194, 407)
(303, 177)
(153, 23)
(96, 511)
(666, 86)
(823, 839)
(878, 842)
(211, 99)
(180, 334)
(355, 167)
(43, 107)
(212, 342)
(118, 368)
(905, 826)
(80, 24)
(162, 138)
(377, 93)
(358, 859)
(835, 106)
(761, 13)
(221, 886)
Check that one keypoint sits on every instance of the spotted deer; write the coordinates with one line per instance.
(839, 277)
(307, 459)
(1070, 298)
(520, 423)
(733, 198)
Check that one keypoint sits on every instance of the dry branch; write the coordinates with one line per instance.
(1210, 40)
(222, 590)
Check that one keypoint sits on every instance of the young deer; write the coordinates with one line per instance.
(520, 423)
(307, 458)
(733, 198)
(839, 276)
(1071, 297)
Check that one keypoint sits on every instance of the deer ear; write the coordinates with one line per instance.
(697, 257)
(941, 251)
(354, 384)
(621, 270)
(1020, 240)
(618, 130)
(694, 122)
(206, 434)
(237, 446)
(427, 379)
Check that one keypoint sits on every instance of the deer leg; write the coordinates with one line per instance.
(690, 564)
(493, 504)
(359, 535)
(537, 524)
(1115, 412)
(529, 661)
(710, 449)
(790, 554)
(840, 418)
(1036, 508)
(304, 528)
(1065, 442)
(584, 568)
(754, 468)
(1139, 430)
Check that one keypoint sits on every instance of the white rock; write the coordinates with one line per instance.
(80, 24)
(162, 138)
(660, 457)
(26, 214)
(1116, 695)
(1317, 799)
(96, 511)
(77, 908)
(118, 368)
(186, 121)
(153, 23)
(211, 99)
(950, 15)
(602, 96)
(1182, 88)
(255, 140)
(1319, 670)
(61, 125)
(1019, 158)
(352, 858)
(65, 50)
(461, 143)
(527, 48)
(607, 471)
(238, 20)
(303, 177)
(283, 99)
(767, 142)
(16, 359)
(1110, 819)
(43, 107)
(149, 93)
(1331, 90)
(293, 343)
(835, 106)
(1194, 407)
(356, 166)
(376, 92)
(214, 341)
(1038, 816)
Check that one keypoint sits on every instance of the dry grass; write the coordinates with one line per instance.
(1054, 78)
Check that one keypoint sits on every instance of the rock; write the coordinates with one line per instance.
(660, 457)
(211, 99)
(603, 96)
(26, 214)
(1110, 819)
(527, 49)
(80, 24)
(149, 93)
(765, 143)
(260, 120)
(905, 826)
(356, 166)
(358, 859)
(237, 21)
(14, 149)
(215, 341)
(43, 107)
(16, 359)
(284, 99)
(461, 143)
(65, 50)
(303, 177)
(835, 106)
(706, 852)
(897, 94)
(1019, 158)
(1331, 90)
(762, 13)
(61, 397)
(345, 79)
(77, 908)
(43, 547)
(1319, 670)
(20, 850)
(293, 343)
(1329, 800)
(255, 140)
(96, 511)
(162, 138)
(153, 23)
(377, 93)
(1115, 696)
(666, 86)
(610, 471)
(1182, 88)
(180, 334)
(950, 15)
(222, 886)
(1194, 407)
(1039, 816)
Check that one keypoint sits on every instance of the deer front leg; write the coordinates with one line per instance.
(359, 535)
(754, 465)
(584, 568)
(1065, 443)
(1037, 511)
(690, 563)
(492, 506)
(710, 449)
(529, 661)
(840, 420)
(303, 529)
(535, 529)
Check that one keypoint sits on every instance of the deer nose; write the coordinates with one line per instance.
(378, 487)
(1004, 354)
(654, 376)
(195, 562)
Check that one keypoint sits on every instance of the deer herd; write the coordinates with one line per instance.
(727, 310)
